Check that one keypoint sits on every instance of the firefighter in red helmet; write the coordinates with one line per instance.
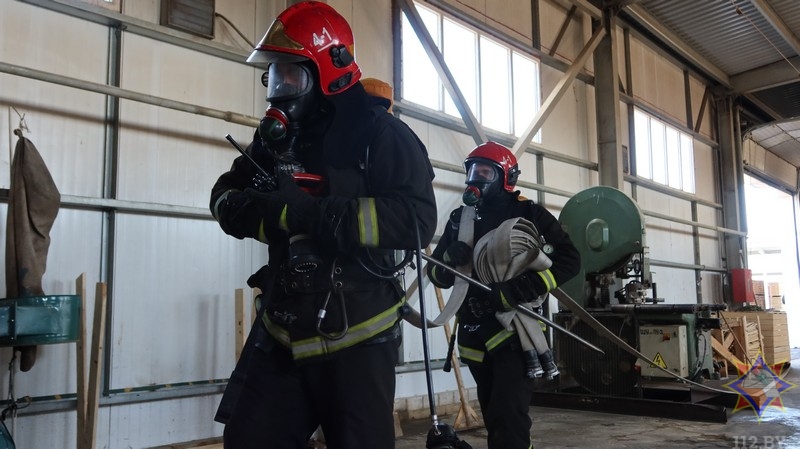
(498, 360)
(345, 185)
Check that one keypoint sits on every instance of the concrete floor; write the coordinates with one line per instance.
(561, 428)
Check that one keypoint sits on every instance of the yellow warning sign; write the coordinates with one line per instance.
(658, 360)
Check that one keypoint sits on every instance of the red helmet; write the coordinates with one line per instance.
(500, 157)
(312, 31)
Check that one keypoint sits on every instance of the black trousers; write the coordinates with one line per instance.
(504, 394)
(351, 396)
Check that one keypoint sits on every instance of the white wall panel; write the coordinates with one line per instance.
(185, 75)
(143, 425)
(698, 89)
(657, 81)
(565, 130)
(173, 308)
(66, 124)
(781, 170)
(173, 157)
(552, 19)
(562, 176)
(371, 24)
(46, 431)
(72, 47)
(137, 425)
(676, 286)
(705, 173)
(413, 386)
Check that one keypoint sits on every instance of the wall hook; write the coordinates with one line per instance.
(23, 126)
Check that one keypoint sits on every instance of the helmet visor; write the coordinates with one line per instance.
(481, 172)
(287, 80)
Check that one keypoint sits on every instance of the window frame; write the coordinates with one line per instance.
(515, 126)
(656, 152)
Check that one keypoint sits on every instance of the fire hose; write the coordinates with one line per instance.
(517, 255)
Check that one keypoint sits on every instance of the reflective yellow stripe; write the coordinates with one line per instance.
(476, 355)
(498, 338)
(549, 280)
(503, 299)
(470, 354)
(316, 346)
(282, 223)
(367, 222)
(278, 332)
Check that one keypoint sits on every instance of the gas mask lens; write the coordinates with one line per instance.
(287, 80)
(481, 172)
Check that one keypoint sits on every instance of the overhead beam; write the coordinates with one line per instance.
(103, 16)
(672, 41)
(768, 76)
(765, 107)
(587, 7)
(780, 26)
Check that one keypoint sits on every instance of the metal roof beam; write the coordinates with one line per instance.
(647, 21)
(780, 26)
(765, 77)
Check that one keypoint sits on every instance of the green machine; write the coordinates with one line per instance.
(616, 288)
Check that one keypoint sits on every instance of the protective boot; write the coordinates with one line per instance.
(443, 436)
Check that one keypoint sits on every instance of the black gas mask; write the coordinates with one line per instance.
(293, 97)
(483, 182)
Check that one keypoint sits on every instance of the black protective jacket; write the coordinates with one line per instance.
(478, 334)
(378, 197)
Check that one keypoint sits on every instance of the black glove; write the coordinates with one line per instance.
(457, 254)
(523, 288)
(230, 213)
(500, 298)
(302, 209)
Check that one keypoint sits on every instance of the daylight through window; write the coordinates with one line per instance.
(499, 83)
(664, 154)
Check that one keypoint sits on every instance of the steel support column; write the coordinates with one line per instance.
(606, 88)
(731, 183)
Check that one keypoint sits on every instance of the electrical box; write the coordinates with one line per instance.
(666, 346)
(742, 285)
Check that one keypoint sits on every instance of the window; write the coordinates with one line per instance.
(663, 153)
(499, 83)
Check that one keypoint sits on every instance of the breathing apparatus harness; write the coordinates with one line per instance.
(279, 136)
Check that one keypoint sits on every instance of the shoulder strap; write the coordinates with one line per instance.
(379, 115)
